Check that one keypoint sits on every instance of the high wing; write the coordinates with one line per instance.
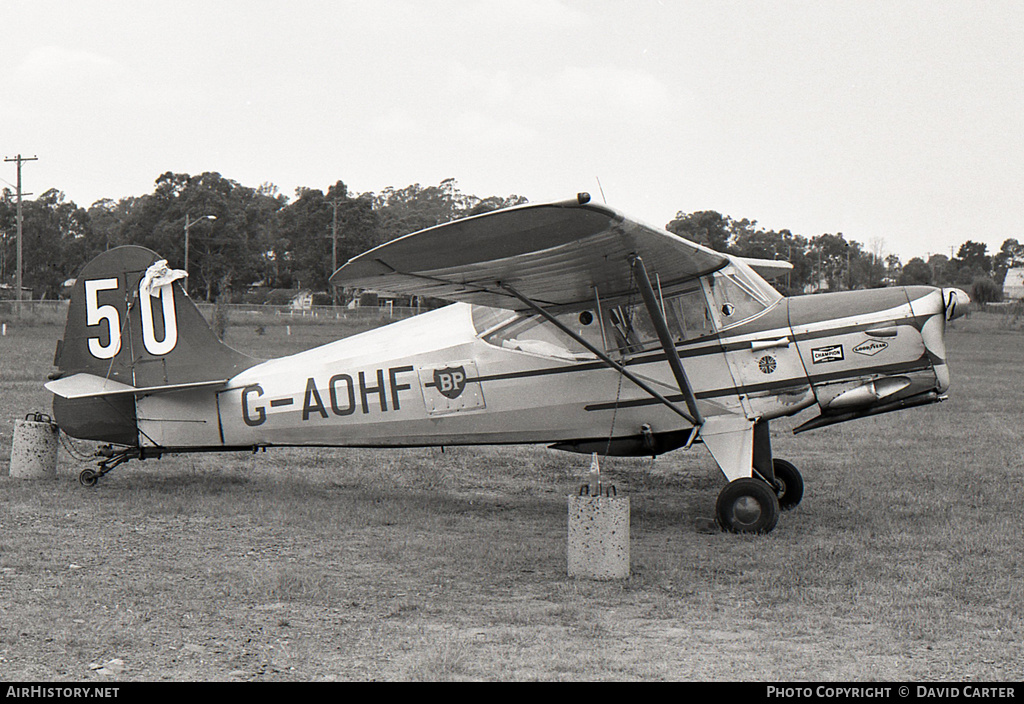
(556, 254)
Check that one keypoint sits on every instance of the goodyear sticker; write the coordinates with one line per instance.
(871, 347)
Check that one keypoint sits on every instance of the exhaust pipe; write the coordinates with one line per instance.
(823, 420)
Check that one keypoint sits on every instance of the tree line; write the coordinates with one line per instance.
(243, 241)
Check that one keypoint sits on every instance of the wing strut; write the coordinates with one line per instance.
(606, 359)
(661, 327)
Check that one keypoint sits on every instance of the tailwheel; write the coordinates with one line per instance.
(789, 485)
(747, 505)
(90, 477)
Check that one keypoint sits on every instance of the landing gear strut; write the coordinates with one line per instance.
(751, 503)
(90, 477)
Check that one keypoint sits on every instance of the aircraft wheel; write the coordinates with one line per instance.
(747, 505)
(88, 477)
(789, 485)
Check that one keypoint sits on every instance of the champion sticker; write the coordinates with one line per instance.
(871, 347)
(832, 353)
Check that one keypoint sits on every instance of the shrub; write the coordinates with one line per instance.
(985, 290)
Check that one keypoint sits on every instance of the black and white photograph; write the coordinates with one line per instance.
(512, 341)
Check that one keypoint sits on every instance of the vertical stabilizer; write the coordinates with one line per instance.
(119, 329)
(137, 330)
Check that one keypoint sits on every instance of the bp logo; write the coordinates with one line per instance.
(767, 364)
(450, 381)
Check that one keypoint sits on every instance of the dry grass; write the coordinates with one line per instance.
(901, 564)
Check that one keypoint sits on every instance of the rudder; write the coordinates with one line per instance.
(119, 330)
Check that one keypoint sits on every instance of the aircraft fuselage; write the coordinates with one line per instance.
(435, 380)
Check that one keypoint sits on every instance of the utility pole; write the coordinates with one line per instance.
(187, 226)
(19, 159)
(334, 248)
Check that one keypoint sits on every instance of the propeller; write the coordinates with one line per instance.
(955, 302)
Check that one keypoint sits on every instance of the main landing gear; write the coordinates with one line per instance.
(789, 485)
(752, 505)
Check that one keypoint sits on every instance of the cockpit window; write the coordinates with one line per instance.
(623, 329)
(686, 315)
(701, 308)
(689, 311)
(486, 318)
(537, 335)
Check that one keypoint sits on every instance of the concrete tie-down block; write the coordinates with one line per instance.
(34, 448)
(598, 544)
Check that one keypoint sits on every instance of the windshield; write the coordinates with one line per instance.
(738, 294)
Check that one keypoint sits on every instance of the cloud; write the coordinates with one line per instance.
(616, 95)
(56, 66)
(484, 130)
(536, 13)
(572, 95)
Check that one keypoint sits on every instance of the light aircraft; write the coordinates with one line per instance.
(573, 325)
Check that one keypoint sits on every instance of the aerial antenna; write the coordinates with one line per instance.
(601, 189)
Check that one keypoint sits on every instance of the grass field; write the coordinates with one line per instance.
(902, 563)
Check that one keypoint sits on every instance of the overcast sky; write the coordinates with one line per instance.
(890, 121)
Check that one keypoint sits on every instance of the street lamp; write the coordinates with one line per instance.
(187, 226)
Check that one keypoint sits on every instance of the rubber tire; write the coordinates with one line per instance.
(747, 505)
(791, 491)
(88, 477)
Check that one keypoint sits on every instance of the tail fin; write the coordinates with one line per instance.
(130, 334)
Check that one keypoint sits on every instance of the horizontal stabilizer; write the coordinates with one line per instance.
(92, 386)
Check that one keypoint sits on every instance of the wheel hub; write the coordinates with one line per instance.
(780, 487)
(747, 510)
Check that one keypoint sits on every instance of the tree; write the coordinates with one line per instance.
(829, 255)
(705, 227)
(54, 242)
(943, 271)
(893, 267)
(973, 262)
(492, 203)
(8, 237)
(916, 272)
(107, 219)
(224, 254)
(1010, 255)
(303, 252)
(417, 207)
(748, 240)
